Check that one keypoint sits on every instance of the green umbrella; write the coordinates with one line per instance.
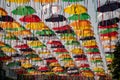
(96, 61)
(109, 30)
(93, 50)
(45, 32)
(41, 46)
(84, 69)
(13, 64)
(16, 29)
(72, 0)
(83, 16)
(11, 38)
(72, 43)
(66, 59)
(31, 55)
(23, 10)
(67, 34)
(109, 55)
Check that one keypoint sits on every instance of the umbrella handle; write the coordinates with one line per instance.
(8, 4)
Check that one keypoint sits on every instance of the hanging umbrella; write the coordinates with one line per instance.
(109, 22)
(104, 38)
(11, 37)
(77, 51)
(72, 43)
(53, 42)
(21, 28)
(84, 69)
(87, 38)
(22, 33)
(80, 23)
(75, 9)
(69, 64)
(36, 26)
(68, 34)
(98, 69)
(60, 50)
(109, 46)
(72, 0)
(80, 56)
(64, 56)
(51, 60)
(2, 44)
(6, 18)
(31, 56)
(81, 27)
(66, 59)
(43, 68)
(27, 50)
(57, 69)
(92, 50)
(8, 50)
(87, 74)
(45, 1)
(26, 65)
(45, 33)
(23, 46)
(23, 10)
(72, 70)
(57, 46)
(3, 12)
(62, 28)
(11, 25)
(18, 1)
(109, 6)
(54, 64)
(109, 30)
(31, 38)
(84, 66)
(110, 26)
(35, 43)
(64, 31)
(56, 18)
(71, 38)
(83, 16)
(30, 18)
(109, 34)
(44, 52)
(89, 43)
(4, 57)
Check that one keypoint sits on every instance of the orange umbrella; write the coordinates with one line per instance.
(64, 56)
(77, 51)
(3, 12)
(22, 33)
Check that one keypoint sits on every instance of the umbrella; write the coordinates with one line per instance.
(72, 0)
(43, 68)
(72, 70)
(21, 28)
(84, 69)
(18, 1)
(11, 25)
(109, 22)
(75, 9)
(22, 33)
(11, 37)
(3, 12)
(81, 27)
(8, 50)
(87, 38)
(92, 50)
(71, 38)
(109, 30)
(53, 42)
(83, 16)
(60, 50)
(45, 1)
(54, 64)
(104, 38)
(57, 69)
(6, 18)
(30, 18)
(35, 43)
(31, 56)
(77, 51)
(89, 43)
(109, 46)
(64, 56)
(87, 74)
(72, 43)
(80, 56)
(110, 26)
(56, 18)
(98, 69)
(13, 64)
(27, 50)
(26, 65)
(23, 10)
(80, 23)
(51, 59)
(36, 26)
(23, 46)
(62, 28)
(65, 31)
(109, 34)
(31, 38)
(68, 34)
(57, 46)
(69, 64)
(2, 54)
(45, 33)
(109, 6)
(66, 59)
(84, 66)
(44, 52)
(2, 44)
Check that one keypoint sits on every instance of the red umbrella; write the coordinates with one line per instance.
(6, 58)
(110, 34)
(110, 26)
(79, 59)
(43, 68)
(62, 28)
(60, 50)
(54, 42)
(93, 53)
(84, 65)
(30, 18)
(23, 46)
(92, 46)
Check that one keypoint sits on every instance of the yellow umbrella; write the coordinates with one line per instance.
(9, 25)
(80, 23)
(87, 74)
(64, 56)
(2, 44)
(18, 1)
(57, 69)
(54, 64)
(45, 1)
(22, 33)
(3, 12)
(8, 50)
(98, 69)
(44, 52)
(89, 43)
(36, 26)
(82, 27)
(35, 43)
(68, 38)
(75, 9)
(69, 64)
(77, 51)
(26, 65)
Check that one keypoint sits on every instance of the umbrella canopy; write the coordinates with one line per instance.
(53, 42)
(56, 18)
(43, 68)
(44, 52)
(2, 44)
(109, 34)
(62, 28)
(22, 33)
(83, 16)
(18, 1)
(93, 50)
(104, 38)
(23, 10)
(75, 9)
(45, 32)
(109, 6)
(54, 64)
(84, 65)
(26, 65)
(67, 59)
(6, 18)
(30, 18)
(31, 38)
(45, 1)
(72, 43)
(13, 64)
(36, 26)
(89, 43)
(69, 64)
(3, 12)
(77, 51)
(80, 56)
(71, 38)
(87, 38)
(60, 50)
(109, 22)
(11, 25)
(87, 74)
(110, 26)
(72, 70)
(67, 34)
(72, 0)
(109, 30)
(21, 28)
(64, 56)
(64, 31)
(57, 69)
(31, 56)
(98, 69)
(8, 50)
(35, 43)
(22, 46)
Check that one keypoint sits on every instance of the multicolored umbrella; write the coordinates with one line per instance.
(18, 1)
(75, 9)
(23, 10)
